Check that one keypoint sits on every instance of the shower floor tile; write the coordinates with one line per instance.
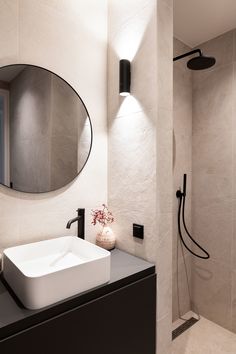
(205, 337)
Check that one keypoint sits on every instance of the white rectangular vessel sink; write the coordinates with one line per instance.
(42, 273)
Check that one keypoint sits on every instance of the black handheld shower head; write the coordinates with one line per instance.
(181, 196)
(184, 184)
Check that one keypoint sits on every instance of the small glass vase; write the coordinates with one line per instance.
(106, 238)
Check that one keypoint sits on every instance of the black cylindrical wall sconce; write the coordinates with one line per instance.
(125, 77)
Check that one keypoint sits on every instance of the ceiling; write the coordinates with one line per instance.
(197, 21)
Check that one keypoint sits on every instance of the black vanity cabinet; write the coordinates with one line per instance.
(121, 320)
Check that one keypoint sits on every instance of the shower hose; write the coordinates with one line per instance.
(181, 196)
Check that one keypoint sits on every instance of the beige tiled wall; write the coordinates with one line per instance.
(70, 38)
(164, 177)
(132, 120)
(182, 163)
(213, 200)
(140, 140)
(66, 37)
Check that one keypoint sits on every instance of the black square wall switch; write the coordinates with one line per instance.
(138, 231)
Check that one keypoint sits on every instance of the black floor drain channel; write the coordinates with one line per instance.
(182, 328)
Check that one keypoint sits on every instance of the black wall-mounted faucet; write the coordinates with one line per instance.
(80, 220)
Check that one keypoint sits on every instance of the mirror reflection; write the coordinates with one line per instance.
(45, 130)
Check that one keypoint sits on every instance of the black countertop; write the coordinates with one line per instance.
(14, 318)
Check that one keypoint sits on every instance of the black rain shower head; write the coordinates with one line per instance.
(200, 62)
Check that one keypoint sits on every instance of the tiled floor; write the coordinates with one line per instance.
(205, 337)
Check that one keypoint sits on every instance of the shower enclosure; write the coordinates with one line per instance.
(205, 149)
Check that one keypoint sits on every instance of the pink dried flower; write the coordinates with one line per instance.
(103, 217)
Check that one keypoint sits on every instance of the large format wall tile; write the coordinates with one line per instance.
(132, 120)
(9, 35)
(163, 334)
(212, 291)
(221, 48)
(233, 250)
(176, 239)
(140, 140)
(133, 137)
(234, 122)
(181, 284)
(169, 3)
(234, 300)
(234, 46)
(70, 38)
(211, 188)
(164, 173)
(217, 152)
(182, 162)
(212, 103)
(9, 232)
(212, 227)
(10, 204)
(213, 205)
(120, 14)
(165, 54)
(164, 270)
(164, 165)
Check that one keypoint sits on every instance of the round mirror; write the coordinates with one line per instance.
(45, 130)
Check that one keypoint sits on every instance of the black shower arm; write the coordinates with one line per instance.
(187, 54)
